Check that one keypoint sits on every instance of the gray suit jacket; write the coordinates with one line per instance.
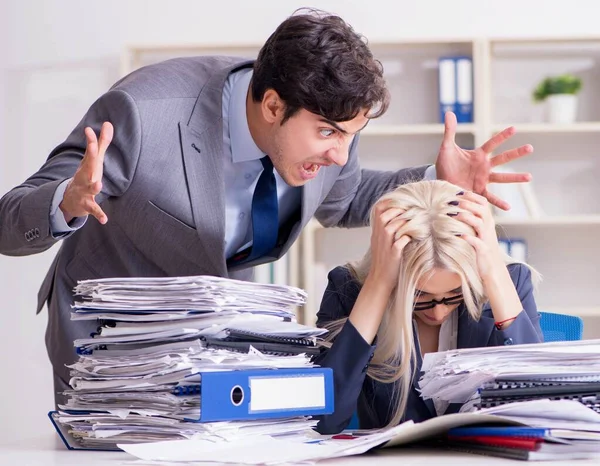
(163, 192)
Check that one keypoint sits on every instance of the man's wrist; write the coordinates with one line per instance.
(68, 217)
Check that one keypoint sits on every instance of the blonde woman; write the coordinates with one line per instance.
(433, 279)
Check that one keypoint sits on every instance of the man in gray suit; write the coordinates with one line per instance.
(181, 154)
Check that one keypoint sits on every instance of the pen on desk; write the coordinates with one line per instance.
(344, 437)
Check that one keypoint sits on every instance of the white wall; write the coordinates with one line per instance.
(58, 56)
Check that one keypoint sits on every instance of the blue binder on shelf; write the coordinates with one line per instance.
(456, 87)
(447, 86)
(464, 89)
(515, 248)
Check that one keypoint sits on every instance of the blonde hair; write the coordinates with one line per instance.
(434, 245)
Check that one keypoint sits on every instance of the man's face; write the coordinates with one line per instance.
(306, 142)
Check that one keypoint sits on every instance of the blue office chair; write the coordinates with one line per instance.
(555, 327)
(561, 327)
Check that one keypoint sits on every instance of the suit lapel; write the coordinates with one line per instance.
(311, 194)
(473, 334)
(202, 150)
(204, 173)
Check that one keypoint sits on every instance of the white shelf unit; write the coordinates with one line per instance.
(536, 128)
(565, 166)
(562, 243)
(408, 130)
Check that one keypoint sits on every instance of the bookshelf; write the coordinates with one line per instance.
(536, 128)
(408, 130)
(561, 241)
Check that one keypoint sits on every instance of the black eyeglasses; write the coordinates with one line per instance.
(423, 306)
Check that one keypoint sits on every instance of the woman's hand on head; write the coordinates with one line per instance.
(475, 211)
(386, 244)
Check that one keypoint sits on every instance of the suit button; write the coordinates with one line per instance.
(371, 356)
(508, 341)
(37, 232)
(365, 368)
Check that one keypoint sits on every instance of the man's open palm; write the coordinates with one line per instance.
(472, 169)
(80, 196)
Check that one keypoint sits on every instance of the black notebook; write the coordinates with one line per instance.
(245, 335)
(276, 349)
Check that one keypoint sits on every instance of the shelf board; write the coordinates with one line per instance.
(562, 220)
(573, 311)
(413, 130)
(579, 127)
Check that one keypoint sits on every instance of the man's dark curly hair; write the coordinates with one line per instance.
(316, 61)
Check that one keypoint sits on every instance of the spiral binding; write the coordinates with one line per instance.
(228, 345)
(183, 390)
(266, 337)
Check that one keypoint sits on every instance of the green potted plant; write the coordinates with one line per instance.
(560, 93)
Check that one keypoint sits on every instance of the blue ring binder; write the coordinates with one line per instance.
(218, 401)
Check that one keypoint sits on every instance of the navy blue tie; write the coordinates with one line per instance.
(265, 216)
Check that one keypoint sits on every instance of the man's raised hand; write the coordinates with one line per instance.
(79, 199)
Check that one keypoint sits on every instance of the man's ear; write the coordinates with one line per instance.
(272, 107)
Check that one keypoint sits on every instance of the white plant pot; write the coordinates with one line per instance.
(561, 108)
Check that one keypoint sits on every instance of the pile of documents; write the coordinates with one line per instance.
(503, 378)
(491, 376)
(163, 343)
(438, 432)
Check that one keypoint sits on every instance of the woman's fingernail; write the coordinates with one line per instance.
(460, 193)
(452, 214)
(453, 203)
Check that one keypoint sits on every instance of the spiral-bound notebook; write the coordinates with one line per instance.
(245, 335)
(266, 347)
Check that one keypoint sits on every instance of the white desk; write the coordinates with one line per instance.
(48, 450)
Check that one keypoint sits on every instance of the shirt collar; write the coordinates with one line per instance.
(243, 147)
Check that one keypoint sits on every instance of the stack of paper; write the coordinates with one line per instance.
(183, 296)
(492, 376)
(140, 376)
(301, 448)
(561, 380)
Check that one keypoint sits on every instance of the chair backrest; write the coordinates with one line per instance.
(561, 327)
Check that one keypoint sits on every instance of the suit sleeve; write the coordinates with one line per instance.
(356, 190)
(349, 355)
(526, 327)
(25, 210)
